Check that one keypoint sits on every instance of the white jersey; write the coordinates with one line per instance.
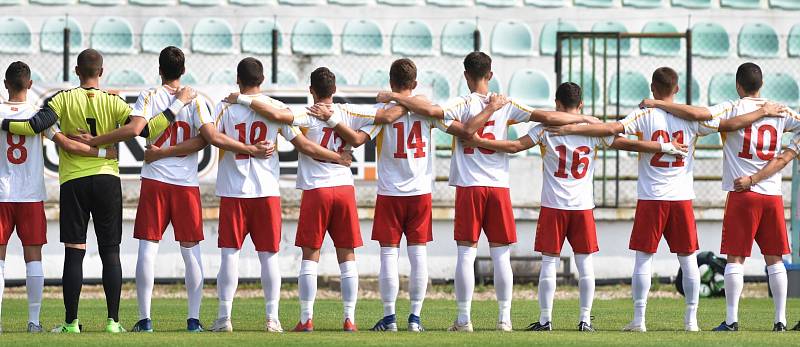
(22, 167)
(313, 173)
(478, 166)
(568, 168)
(182, 170)
(240, 175)
(748, 150)
(662, 176)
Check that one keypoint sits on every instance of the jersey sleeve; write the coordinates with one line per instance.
(632, 123)
(362, 118)
(537, 134)
(724, 110)
(142, 106)
(708, 126)
(794, 144)
(604, 141)
(455, 109)
(201, 112)
(120, 109)
(301, 117)
(289, 132)
(518, 112)
(220, 111)
(792, 121)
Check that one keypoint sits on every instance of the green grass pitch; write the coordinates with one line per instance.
(665, 322)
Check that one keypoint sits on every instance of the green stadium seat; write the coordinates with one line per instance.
(10, 2)
(458, 37)
(642, 3)
(494, 86)
(36, 76)
(694, 4)
(301, 2)
(201, 2)
(52, 35)
(496, 3)
(545, 3)
(793, 42)
(793, 5)
(741, 4)
(398, 2)
(362, 37)
(709, 140)
(212, 36)
(257, 36)
(125, 77)
(710, 40)
(312, 37)
(633, 88)
(112, 35)
(443, 142)
(547, 39)
(152, 3)
(285, 78)
(681, 96)
(592, 94)
(161, 32)
(222, 77)
(722, 88)
(341, 79)
(73, 78)
(53, 2)
(412, 37)
(449, 3)
(438, 84)
(15, 36)
(252, 2)
(781, 88)
(660, 47)
(102, 2)
(611, 27)
(758, 40)
(349, 2)
(512, 38)
(374, 78)
(530, 87)
(594, 3)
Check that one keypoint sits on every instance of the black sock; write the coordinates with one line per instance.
(72, 281)
(112, 279)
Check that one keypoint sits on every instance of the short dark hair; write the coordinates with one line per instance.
(323, 82)
(403, 73)
(18, 76)
(749, 77)
(90, 63)
(171, 62)
(477, 65)
(569, 94)
(250, 72)
(665, 80)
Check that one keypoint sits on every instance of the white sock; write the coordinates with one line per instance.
(307, 288)
(193, 279)
(503, 281)
(270, 282)
(349, 275)
(418, 278)
(2, 282)
(389, 279)
(778, 284)
(691, 287)
(734, 282)
(465, 281)
(640, 283)
(145, 275)
(34, 284)
(585, 285)
(547, 287)
(227, 280)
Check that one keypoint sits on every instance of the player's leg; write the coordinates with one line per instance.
(470, 205)
(773, 241)
(346, 235)
(307, 288)
(648, 225)
(681, 235)
(2, 278)
(387, 229)
(582, 235)
(551, 230)
(232, 231)
(348, 273)
(32, 231)
(6, 228)
(107, 217)
(419, 232)
(264, 219)
(187, 222)
(315, 206)
(500, 228)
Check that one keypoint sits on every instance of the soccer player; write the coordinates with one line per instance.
(481, 180)
(567, 200)
(756, 214)
(90, 186)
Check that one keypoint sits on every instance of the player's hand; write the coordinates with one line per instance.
(675, 148)
(232, 98)
(772, 109)
(473, 142)
(186, 94)
(591, 120)
(345, 158)
(83, 137)
(111, 153)
(648, 103)
(262, 150)
(385, 97)
(497, 101)
(559, 130)
(320, 111)
(152, 153)
(743, 184)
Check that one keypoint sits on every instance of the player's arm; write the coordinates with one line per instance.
(556, 118)
(311, 149)
(263, 109)
(192, 145)
(688, 112)
(210, 135)
(591, 130)
(466, 131)
(42, 120)
(768, 109)
(324, 113)
(673, 148)
(420, 106)
(388, 116)
(773, 166)
(77, 148)
(506, 146)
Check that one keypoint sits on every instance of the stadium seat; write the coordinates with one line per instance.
(547, 39)
(52, 35)
(781, 88)
(73, 78)
(125, 77)
(642, 3)
(438, 84)
(412, 37)
(10, 2)
(212, 36)
(201, 2)
(512, 38)
(257, 36)
(694, 4)
(161, 32)
(458, 37)
(494, 86)
(36, 76)
(102, 2)
(374, 78)
(285, 78)
(312, 37)
(349, 2)
(590, 95)
(252, 2)
(741, 4)
(398, 2)
(449, 3)
(15, 36)
(660, 47)
(785, 4)
(530, 87)
(222, 77)
(112, 35)
(301, 2)
(611, 27)
(340, 78)
(722, 88)
(633, 88)
(545, 3)
(496, 3)
(152, 3)
(708, 140)
(710, 40)
(758, 40)
(793, 42)
(681, 96)
(594, 3)
(53, 2)
(443, 142)
(362, 37)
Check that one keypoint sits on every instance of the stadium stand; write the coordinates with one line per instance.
(710, 40)
(398, 2)
(349, 2)
(722, 88)
(225, 76)
(590, 95)
(362, 36)
(161, 32)
(204, 3)
(457, 37)
(611, 27)
(758, 40)
(52, 34)
(711, 140)
(121, 78)
(15, 35)
(257, 36)
(740, 4)
(53, 2)
(496, 3)
(793, 42)
(642, 3)
(449, 3)
(112, 35)
(301, 2)
(252, 2)
(152, 3)
(781, 88)
(512, 38)
(547, 38)
(785, 4)
(36, 77)
(73, 78)
(494, 86)
(530, 87)
(437, 82)
(694, 4)
(312, 37)
(212, 36)
(633, 88)
(545, 3)
(413, 38)
(594, 3)
(660, 47)
(374, 78)
(681, 96)
(444, 143)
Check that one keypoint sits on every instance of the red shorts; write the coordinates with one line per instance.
(555, 225)
(332, 209)
(398, 215)
(487, 208)
(28, 218)
(259, 217)
(755, 217)
(161, 204)
(672, 219)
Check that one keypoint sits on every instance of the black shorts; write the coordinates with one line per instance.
(98, 195)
